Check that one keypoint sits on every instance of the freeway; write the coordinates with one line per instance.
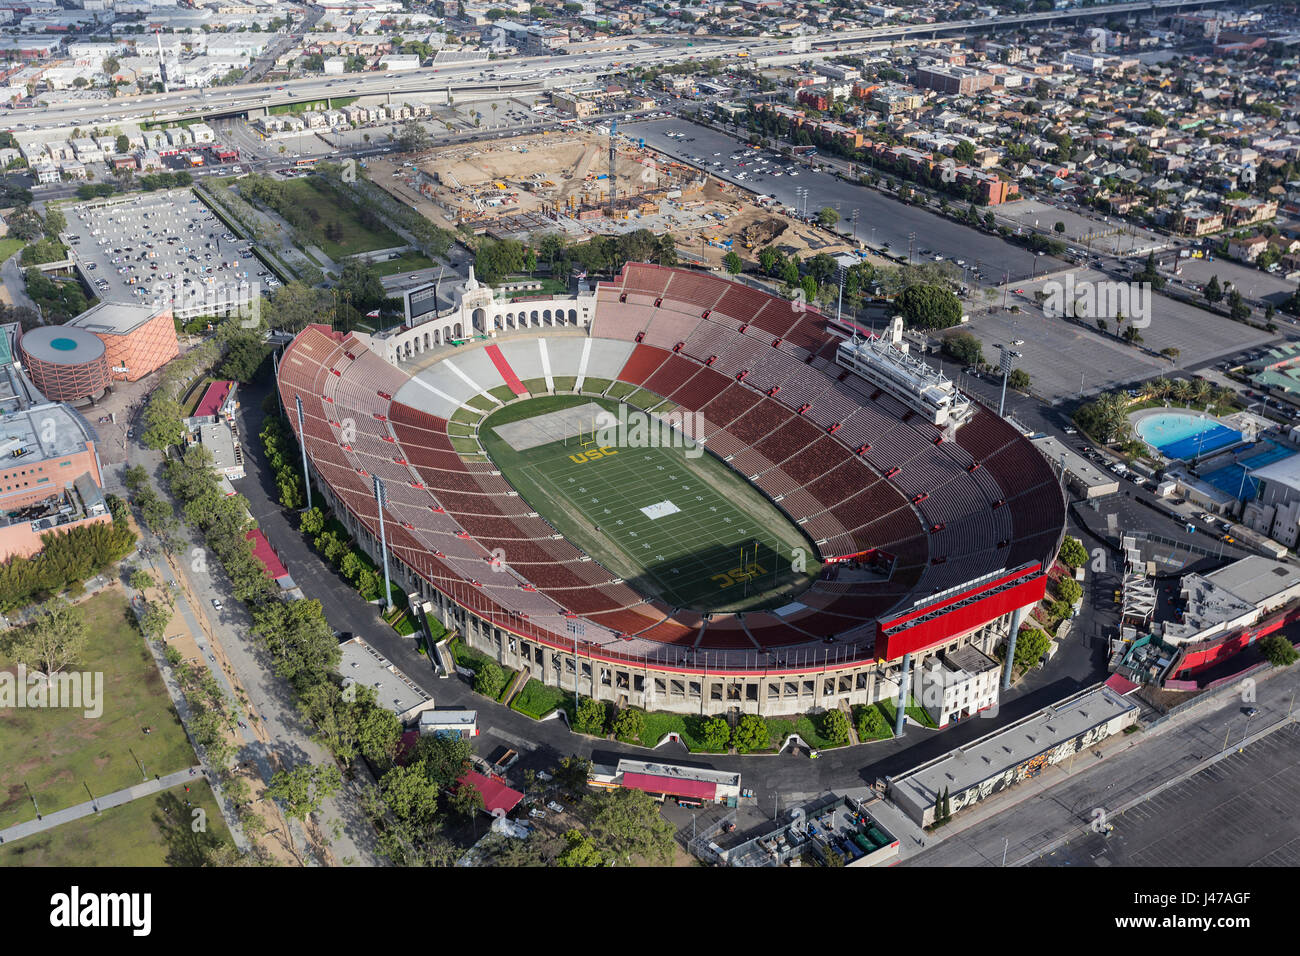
(531, 71)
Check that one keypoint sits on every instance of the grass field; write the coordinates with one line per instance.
(330, 210)
(9, 246)
(151, 831)
(406, 262)
(709, 542)
(58, 753)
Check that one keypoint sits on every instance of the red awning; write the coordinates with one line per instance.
(262, 551)
(650, 783)
(1120, 684)
(496, 795)
(213, 398)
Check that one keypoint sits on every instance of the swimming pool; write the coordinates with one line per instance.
(1235, 480)
(1185, 434)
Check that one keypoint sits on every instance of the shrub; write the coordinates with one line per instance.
(628, 726)
(835, 726)
(751, 733)
(590, 717)
(1278, 651)
(489, 681)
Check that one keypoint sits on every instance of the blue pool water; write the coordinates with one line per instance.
(1185, 434)
(1228, 478)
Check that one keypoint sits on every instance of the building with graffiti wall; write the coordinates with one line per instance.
(1016, 753)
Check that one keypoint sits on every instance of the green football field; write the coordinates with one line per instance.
(689, 530)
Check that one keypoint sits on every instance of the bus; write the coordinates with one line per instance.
(304, 163)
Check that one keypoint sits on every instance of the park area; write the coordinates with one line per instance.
(158, 830)
(687, 529)
(56, 755)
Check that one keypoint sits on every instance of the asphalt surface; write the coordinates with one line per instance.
(882, 219)
(1062, 803)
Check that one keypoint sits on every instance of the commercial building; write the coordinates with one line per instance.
(691, 784)
(958, 684)
(138, 339)
(449, 723)
(953, 79)
(66, 363)
(1018, 752)
(366, 667)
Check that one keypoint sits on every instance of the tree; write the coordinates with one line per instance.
(413, 136)
(444, 759)
(964, 152)
(1059, 228)
(827, 217)
(1069, 590)
(1073, 554)
(965, 348)
(628, 725)
(579, 850)
(141, 579)
(590, 717)
(1018, 379)
(930, 306)
(53, 638)
(154, 620)
(1031, 644)
(732, 263)
(362, 284)
(751, 733)
(301, 790)
(626, 825)
(1213, 291)
(1278, 650)
(835, 726)
(714, 733)
(311, 522)
(122, 144)
(872, 725)
(464, 800)
(111, 65)
(489, 680)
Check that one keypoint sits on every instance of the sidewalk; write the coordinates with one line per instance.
(116, 799)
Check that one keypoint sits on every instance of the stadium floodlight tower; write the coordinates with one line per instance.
(381, 499)
(1007, 356)
(306, 478)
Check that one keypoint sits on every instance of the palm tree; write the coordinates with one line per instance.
(1160, 387)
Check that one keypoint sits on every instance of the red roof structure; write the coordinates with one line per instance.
(651, 783)
(263, 552)
(496, 795)
(1121, 684)
(213, 398)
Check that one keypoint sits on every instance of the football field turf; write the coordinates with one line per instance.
(687, 529)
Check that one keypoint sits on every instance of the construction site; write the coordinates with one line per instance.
(561, 182)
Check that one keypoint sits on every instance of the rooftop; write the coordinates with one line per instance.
(362, 664)
(114, 318)
(965, 767)
(42, 432)
(61, 345)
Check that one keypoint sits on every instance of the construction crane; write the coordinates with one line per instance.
(613, 181)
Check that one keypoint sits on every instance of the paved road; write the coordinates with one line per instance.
(144, 789)
(278, 738)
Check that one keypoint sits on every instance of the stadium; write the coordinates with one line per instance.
(838, 514)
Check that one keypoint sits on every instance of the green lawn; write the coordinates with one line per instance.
(536, 700)
(914, 710)
(406, 262)
(503, 393)
(596, 386)
(58, 753)
(690, 552)
(151, 831)
(564, 383)
(9, 246)
(331, 212)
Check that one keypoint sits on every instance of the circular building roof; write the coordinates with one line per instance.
(62, 345)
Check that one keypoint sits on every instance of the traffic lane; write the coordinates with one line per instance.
(894, 223)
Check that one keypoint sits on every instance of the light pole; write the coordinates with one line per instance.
(1006, 370)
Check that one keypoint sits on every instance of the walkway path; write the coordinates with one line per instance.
(145, 789)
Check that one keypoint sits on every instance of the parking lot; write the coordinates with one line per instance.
(1230, 814)
(164, 247)
(1064, 359)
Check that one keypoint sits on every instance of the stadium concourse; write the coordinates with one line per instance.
(931, 538)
